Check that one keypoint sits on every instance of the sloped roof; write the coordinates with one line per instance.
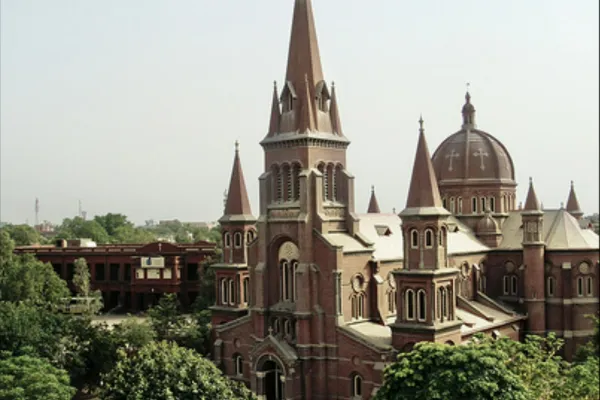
(561, 232)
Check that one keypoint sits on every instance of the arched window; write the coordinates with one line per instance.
(357, 390)
(506, 285)
(289, 175)
(589, 286)
(249, 236)
(277, 183)
(337, 192)
(551, 286)
(287, 327)
(227, 239)
(443, 296)
(358, 306)
(421, 305)
(284, 284)
(441, 236)
(445, 203)
(410, 304)
(239, 365)
(414, 239)
(452, 205)
(246, 286)
(392, 301)
(297, 170)
(224, 291)
(492, 204)
(474, 205)
(330, 182)
(460, 205)
(580, 286)
(428, 238)
(276, 327)
(514, 285)
(237, 240)
(323, 171)
(483, 205)
(231, 291)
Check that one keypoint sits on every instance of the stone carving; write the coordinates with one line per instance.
(510, 267)
(452, 156)
(584, 268)
(335, 212)
(480, 153)
(289, 251)
(286, 213)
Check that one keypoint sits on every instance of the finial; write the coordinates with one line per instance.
(372, 188)
(275, 83)
(237, 146)
(332, 84)
(572, 184)
(530, 180)
(468, 95)
(394, 210)
(270, 330)
(421, 122)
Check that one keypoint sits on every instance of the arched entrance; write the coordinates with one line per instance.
(273, 379)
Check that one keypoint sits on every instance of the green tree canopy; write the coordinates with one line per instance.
(77, 228)
(29, 378)
(111, 222)
(24, 278)
(164, 370)
(83, 286)
(23, 235)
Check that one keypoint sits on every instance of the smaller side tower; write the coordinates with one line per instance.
(426, 300)
(573, 204)
(533, 263)
(232, 279)
(488, 231)
(373, 203)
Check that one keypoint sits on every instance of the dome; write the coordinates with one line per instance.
(487, 159)
(487, 224)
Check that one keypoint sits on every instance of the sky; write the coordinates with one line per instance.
(134, 106)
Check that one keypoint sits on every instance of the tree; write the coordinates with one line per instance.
(165, 317)
(77, 228)
(130, 234)
(23, 235)
(24, 278)
(31, 378)
(112, 222)
(81, 280)
(437, 371)
(164, 370)
(132, 335)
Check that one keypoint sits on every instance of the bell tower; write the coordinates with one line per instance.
(426, 301)
(238, 232)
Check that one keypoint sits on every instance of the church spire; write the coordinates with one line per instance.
(573, 204)
(373, 203)
(237, 206)
(303, 56)
(531, 203)
(275, 113)
(334, 113)
(423, 191)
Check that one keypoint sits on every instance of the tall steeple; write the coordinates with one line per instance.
(237, 206)
(573, 204)
(531, 202)
(275, 113)
(423, 191)
(373, 203)
(307, 105)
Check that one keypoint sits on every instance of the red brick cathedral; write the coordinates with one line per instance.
(314, 300)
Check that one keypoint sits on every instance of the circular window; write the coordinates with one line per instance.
(357, 283)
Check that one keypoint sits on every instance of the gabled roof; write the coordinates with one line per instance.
(561, 232)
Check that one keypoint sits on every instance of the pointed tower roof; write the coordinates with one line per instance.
(373, 203)
(334, 113)
(423, 194)
(275, 113)
(531, 202)
(573, 204)
(237, 206)
(303, 56)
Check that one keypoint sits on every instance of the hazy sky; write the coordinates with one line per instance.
(134, 106)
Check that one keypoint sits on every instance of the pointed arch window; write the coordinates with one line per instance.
(239, 365)
(296, 174)
(410, 304)
(330, 182)
(277, 183)
(514, 285)
(231, 285)
(442, 303)
(237, 240)
(358, 306)
(392, 301)
(337, 191)
(452, 205)
(474, 205)
(284, 270)
(460, 206)
(492, 204)
(550, 286)
(246, 289)
(483, 205)
(589, 286)
(249, 237)
(428, 238)
(414, 239)
(421, 305)
(357, 390)
(224, 291)
(227, 239)
(580, 286)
